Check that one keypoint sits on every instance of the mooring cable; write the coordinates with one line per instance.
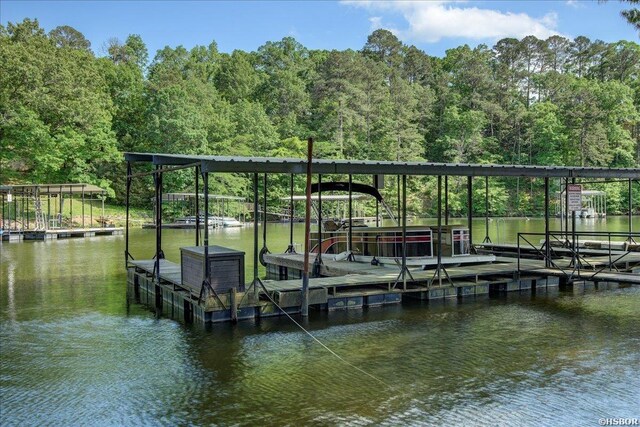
(320, 342)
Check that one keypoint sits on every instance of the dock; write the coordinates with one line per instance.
(65, 233)
(45, 212)
(208, 285)
(355, 285)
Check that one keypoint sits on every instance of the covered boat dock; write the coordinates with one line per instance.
(345, 283)
(46, 211)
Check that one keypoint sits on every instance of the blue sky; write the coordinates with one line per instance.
(433, 26)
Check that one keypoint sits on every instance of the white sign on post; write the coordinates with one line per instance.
(575, 197)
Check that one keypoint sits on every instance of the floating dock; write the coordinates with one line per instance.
(354, 285)
(14, 236)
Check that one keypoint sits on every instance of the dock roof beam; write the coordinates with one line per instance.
(372, 167)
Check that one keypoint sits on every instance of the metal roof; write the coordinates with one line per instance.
(326, 197)
(45, 189)
(187, 196)
(214, 164)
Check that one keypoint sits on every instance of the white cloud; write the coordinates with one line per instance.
(430, 21)
(574, 3)
(376, 22)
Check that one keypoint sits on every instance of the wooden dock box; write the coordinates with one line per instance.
(226, 267)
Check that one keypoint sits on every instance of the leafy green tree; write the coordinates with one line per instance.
(252, 123)
(547, 135)
(65, 36)
(336, 96)
(55, 109)
(237, 78)
(123, 71)
(383, 46)
(463, 137)
(283, 91)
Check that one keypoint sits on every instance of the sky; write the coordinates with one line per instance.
(433, 26)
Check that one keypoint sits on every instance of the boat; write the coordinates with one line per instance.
(230, 222)
(187, 222)
(588, 213)
(383, 244)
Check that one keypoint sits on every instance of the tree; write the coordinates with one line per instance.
(337, 96)
(65, 36)
(557, 51)
(55, 109)
(123, 71)
(283, 91)
(237, 79)
(462, 141)
(253, 125)
(383, 46)
(547, 134)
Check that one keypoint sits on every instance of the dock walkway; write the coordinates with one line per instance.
(346, 284)
(60, 233)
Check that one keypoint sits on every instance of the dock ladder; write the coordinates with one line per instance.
(41, 222)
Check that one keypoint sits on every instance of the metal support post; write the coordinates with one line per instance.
(630, 240)
(290, 248)
(126, 227)
(566, 211)
(197, 205)
(446, 200)
(264, 249)
(487, 239)
(60, 214)
(350, 230)
(256, 260)
(470, 209)
(307, 231)
(404, 271)
(404, 232)
(83, 206)
(318, 261)
(574, 261)
(49, 208)
(439, 267)
(547, 244)
(439, 230)
(158, 194)
(206, 283)
(398, 196)
(27, 200)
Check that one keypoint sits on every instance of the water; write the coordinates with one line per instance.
(74, 353)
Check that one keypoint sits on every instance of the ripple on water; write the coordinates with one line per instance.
(72, 355)
(95, 369)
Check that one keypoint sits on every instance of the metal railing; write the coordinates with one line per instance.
(571, 242)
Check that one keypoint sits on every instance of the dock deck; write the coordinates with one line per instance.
(346, 284)
(60, 233)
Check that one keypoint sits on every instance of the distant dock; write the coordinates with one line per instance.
(45, 212)
(71, 233)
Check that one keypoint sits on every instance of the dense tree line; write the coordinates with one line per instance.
(66, 115)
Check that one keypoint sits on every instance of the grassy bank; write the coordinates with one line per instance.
(72, 214)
